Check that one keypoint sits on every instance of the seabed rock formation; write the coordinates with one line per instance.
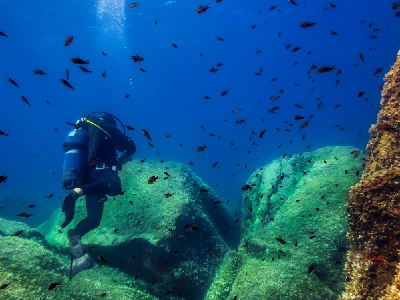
(293, 229)
(171, 235)
(373, 267)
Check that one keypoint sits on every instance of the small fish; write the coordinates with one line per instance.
(39, 72)
(201, 148)
(102, 259)
(146, 134)
(142, 70)
(280, 240)
(383, 127)
(307, 24)
(103, 53)
(83, 69)
(246, 187)
(298, 105)
(293, 2)
(152, 179)
(12, 82)
(360, 94)
(53, 285)
(67, 84)
(24, 215)
(134, 5)
(66, 74)
(25, 100)
(129, 127)
(167, 195)
(334, 32)
(196, 228)
(79, 61)
(3, 133)
(103, 74)
(4, 285)
(224, 93)
(175, 45)
(325, 69)
(3, 34)
(361, 57)
(137, 58)
(69, 40)
(19, 232)
(377, 71)
(3, 178)
(203, 9)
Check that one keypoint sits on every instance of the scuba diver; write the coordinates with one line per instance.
(90, 169)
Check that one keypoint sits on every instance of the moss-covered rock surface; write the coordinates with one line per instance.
(172, 234)
(29, 269)
(294, 226)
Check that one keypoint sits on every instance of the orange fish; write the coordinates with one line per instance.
(146, 134)
(152, 179)
(386, 127)
(203, 9)
(325, 69)
(201, 148)
(69, 40)
(134, 5)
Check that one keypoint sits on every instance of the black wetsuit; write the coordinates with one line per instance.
(103, 167)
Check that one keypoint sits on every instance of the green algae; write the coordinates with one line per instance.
(307, 210)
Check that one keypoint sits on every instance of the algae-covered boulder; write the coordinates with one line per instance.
(30, 270)
(164, 233)
(294, 227)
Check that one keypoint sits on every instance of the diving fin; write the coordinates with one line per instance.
(80, 258)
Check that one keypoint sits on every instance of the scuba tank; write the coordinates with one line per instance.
(75, 158)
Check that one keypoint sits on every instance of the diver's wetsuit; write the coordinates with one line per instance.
(103, 170)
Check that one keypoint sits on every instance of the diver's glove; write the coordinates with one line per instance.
(124, 158)
(68, 207)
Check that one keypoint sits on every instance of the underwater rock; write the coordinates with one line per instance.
(294, 227)
(167, 231)
(27, 270)
(373, 267)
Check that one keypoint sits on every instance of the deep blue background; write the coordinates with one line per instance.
(168, 99)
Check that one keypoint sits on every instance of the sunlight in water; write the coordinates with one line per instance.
(111, 17)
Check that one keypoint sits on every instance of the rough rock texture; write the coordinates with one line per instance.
(168, 243)
(30, 269)
(294, 217)
(373, 270)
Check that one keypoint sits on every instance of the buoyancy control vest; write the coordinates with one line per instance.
(75, 158)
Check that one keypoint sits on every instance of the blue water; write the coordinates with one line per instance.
(169, 98)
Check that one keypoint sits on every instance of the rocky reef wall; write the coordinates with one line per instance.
(373, 267)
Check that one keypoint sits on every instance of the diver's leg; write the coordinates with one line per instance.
(80, 258)
(94, 208)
